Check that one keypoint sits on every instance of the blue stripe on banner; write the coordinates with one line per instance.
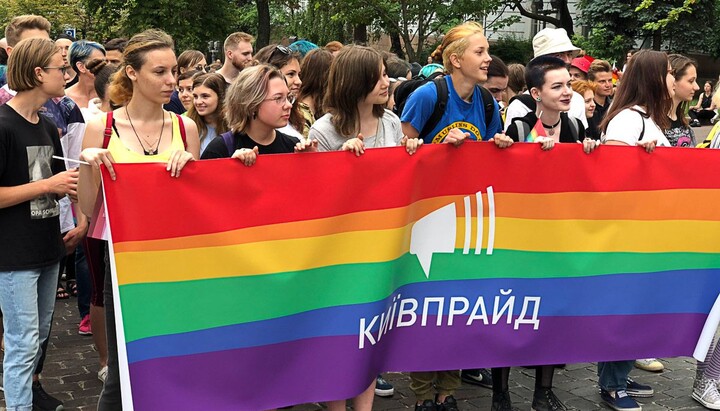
(684, 291)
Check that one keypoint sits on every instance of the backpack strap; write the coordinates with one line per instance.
(440, 106)
(523, 130)
(108, 129)
(488, 103)
(183, 134)
(643, 116)
(229, 143)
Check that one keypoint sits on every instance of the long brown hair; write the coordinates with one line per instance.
(216, 83)
(643, 85)
(353, 75)
(315, 69)
(680, 65)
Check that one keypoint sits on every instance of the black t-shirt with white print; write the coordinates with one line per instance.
(29, 231)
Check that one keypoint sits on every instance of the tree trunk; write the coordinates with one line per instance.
(566, 20)
(263, 27)
(396, 45)
(657, 40)
(360, 35)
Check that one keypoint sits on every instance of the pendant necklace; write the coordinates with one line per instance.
(148, 151)
(551, 129)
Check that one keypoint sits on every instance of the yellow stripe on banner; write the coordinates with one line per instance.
(608, 236)
(266, 257)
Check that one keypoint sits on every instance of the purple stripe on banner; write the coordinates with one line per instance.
(335, 368)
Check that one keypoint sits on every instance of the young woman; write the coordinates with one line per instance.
(31, 183)
(190, 60)
(586, 89)
(288, 62)
(142, 132)
(208, 110)
(258, 105)
(80, 54)
(639, 110)
(679, 134)
(185, 88)
(356, 118)
(548, 81)
(465, 56)
(705, 107)
(637, 116)
(315, 68)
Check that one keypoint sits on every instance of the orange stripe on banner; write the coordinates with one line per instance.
(361, 221)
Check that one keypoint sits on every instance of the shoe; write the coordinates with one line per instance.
(544, 399)
(695, 123)
(714, 119)
(620, 401)
(1, 381)
(102, 374)
(61, 294)
(43, 401)
(450, 404)
(427, 405)
(501, 402)
(638, 390)
(481, 377)
(84, 327)
(706, 393)
(649, 364)
(383, 388)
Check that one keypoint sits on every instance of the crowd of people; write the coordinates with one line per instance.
(71, 106)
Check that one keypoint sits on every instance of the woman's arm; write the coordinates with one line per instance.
(94, 154)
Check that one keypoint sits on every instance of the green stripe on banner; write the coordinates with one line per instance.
(194, 305)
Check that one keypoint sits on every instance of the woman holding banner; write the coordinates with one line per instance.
(140, 131)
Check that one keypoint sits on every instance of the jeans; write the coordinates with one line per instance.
(612, 376)
(27, 300)
(110, 397)
(82, 279)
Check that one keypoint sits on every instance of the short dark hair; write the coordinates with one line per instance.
(66, 37)
(497, 68)
(537, 67)
(116, 44)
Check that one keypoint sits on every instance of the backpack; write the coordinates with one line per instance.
(524, 128)
(404, 90)
(109, 126)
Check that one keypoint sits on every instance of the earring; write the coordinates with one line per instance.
(255, 115)
(538, 99)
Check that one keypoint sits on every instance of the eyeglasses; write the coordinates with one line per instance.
(62, 69)
(280, 100)
(202, 68)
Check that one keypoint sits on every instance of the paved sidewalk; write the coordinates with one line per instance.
(71, 375)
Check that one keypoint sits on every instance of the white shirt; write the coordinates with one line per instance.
(627, 126)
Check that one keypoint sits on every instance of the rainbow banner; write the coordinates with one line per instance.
(300, 278)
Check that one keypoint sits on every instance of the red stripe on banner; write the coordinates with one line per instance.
(296, 187)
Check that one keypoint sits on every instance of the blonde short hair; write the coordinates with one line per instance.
(25, 58)
(235, 38)
(246, 93)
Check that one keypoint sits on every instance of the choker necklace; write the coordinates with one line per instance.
(551, 128)
(149, 151)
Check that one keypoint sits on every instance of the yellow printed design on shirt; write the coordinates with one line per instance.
(463, 125)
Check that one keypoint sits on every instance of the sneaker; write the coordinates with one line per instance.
(481, 377)
(450, 404)
(84, 327)
(383, 388)
(649, 364)
(544, 399)
(102, 374)
(635, 389)
(427, 405)
(501, 402)
(695, 123)
(43, 401)
(706, 393)
(620, 401)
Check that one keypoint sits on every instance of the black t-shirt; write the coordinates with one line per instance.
(29, 231)
(175, 105)
(282, 144)
(566, 133)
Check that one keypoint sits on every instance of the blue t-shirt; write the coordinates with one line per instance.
(468, 117)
